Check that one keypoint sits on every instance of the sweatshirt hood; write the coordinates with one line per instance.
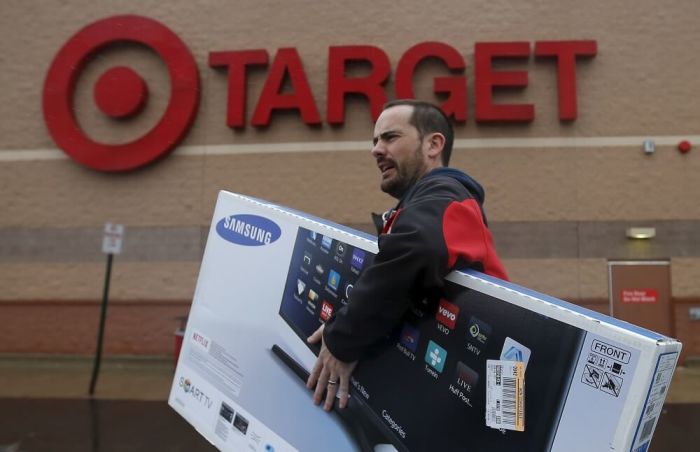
(469, 182)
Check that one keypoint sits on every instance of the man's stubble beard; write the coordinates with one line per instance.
(407, 174)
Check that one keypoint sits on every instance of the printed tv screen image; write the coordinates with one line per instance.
(435, 367)
(321, 276)
(425, 389)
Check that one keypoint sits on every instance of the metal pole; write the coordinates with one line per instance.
(100, 332)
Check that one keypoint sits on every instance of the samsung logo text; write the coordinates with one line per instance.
(248, 230)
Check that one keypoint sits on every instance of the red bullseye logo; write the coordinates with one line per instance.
(120, 93)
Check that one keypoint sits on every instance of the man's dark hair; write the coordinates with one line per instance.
(428, 118)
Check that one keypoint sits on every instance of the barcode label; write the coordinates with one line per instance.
(505, 395)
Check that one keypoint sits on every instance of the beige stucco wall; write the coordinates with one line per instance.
(642, 83)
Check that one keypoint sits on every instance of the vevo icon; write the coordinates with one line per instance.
(447, 314)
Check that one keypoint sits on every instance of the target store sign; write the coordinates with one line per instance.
(121, 92)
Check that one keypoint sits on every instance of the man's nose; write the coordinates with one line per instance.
(378, 149)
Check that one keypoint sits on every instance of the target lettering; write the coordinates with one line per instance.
(298, 96)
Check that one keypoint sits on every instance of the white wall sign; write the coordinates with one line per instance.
(112, 238)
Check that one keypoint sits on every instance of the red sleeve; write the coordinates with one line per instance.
(468, 240)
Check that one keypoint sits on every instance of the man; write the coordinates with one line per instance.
(438, 225)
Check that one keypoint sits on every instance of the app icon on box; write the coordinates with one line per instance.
(313, 296)
(466, 377)
(326, 310)
(478, 331)
(358, 259)
(409, 337)
(447, 314)
(326, 242)
(334, 279)
(435, 356)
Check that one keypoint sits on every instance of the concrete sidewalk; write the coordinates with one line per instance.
(68, 377)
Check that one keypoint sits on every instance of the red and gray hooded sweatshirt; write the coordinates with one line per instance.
(438, 226)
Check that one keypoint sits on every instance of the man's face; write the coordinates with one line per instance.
(398, 150)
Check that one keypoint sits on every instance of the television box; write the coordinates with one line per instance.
(489, 366)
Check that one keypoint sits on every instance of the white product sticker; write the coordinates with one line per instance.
(655, 400)
(505, 394)
(515, 351)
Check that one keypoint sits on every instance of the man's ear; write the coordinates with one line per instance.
(436, 142)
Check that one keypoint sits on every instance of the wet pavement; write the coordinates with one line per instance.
(47, 425)
(678, 429)
(44, 408)
(43, 425)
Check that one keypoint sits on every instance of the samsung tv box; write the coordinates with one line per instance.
(488, 366)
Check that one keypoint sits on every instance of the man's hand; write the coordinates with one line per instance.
(330, 374)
